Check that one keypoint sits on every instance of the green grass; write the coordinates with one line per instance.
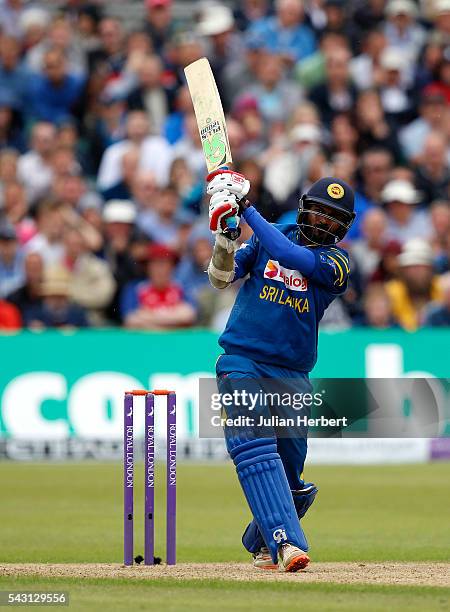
(73, 513)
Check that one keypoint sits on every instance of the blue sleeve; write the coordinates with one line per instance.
(280, 248)
(245, 257)
(331, 269)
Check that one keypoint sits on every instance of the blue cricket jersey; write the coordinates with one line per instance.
(276, 315)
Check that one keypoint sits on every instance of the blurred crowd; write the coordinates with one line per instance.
(103, 216)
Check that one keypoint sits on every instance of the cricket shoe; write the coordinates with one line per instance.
(263, 559)
(291, 558)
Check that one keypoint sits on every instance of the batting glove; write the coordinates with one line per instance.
(234, 182)
(222, 206)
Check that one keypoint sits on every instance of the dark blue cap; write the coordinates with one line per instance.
(332, 192)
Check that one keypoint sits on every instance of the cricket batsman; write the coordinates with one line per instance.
(293, 272)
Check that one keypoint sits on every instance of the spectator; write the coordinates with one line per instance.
(377, 308)
(106, 62)
(86, 18)
(286, 33)
(159, 24)
(33, 23)
(64, 163)
(276, 96)
(189, 188)
(163, 223)
(92, 284)
(34, 167)
(10, 123)
(59, 39)
(15, 208)
(28, 295)
(174, 127)
(190, 148)
(402, 31)
(10, 13)
(287, 172)
(396, 97)
(119, 217)
(433, 171)
(416, 287)
(56, 309)
(433, 115)
(375, 168)
(12, 74)
(250, 11)
(150, 95)
(337, 94)
(48, 240)
(438, 314)
(344, 135)
(246, 111)
(158, 302)
(426, 69)
(109, 127)
(387, 268)
(53, 96)
(240, 73)
(130, 166)
(11, 261)
(337, 21)
(405, 221)
(374, 128)
(144, 190)
(442, 20)
(190, 272)
(155, 153)
(258, 192)
(365, 69)
(311, 71)
(367, 250)
(369, 15)
(376, 165)
(8, 165)
(440, 222)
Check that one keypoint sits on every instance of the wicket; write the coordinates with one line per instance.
(149, 453)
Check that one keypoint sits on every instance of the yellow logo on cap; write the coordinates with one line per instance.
(335, 191)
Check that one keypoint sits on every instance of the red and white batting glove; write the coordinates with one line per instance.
(222, 206)
(234, 182)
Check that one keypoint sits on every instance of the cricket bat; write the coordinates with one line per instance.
(210, 121)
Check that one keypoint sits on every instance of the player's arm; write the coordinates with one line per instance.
(280, 248)
(230, 262)
(226, 264)
(328, 266)
(221, 265)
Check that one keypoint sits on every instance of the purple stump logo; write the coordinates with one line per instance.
(149, 471)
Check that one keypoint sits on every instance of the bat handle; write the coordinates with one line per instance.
(233, 231)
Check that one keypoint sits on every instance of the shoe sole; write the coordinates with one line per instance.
(297, 563)
(266, 567)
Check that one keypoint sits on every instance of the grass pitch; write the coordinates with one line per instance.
(72, 513)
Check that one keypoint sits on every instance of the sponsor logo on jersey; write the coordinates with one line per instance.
(292, 279)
